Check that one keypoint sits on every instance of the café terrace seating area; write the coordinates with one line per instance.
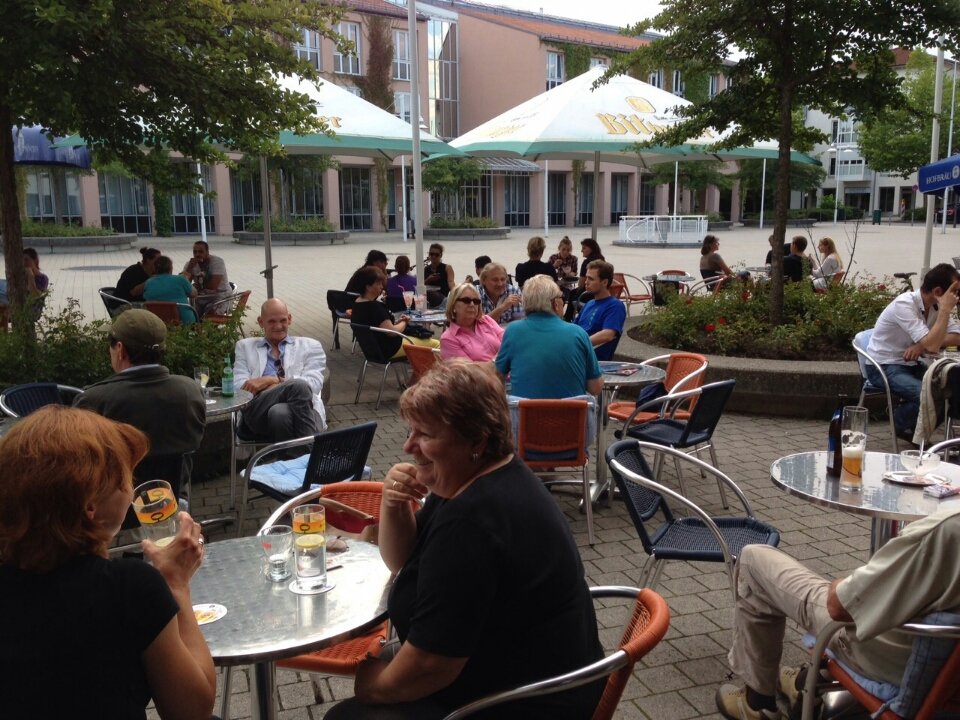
(678, 676)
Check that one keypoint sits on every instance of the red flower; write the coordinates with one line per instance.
(881, 287)
(709, 327)
(689, 301)
(745, 295)
(722, 321)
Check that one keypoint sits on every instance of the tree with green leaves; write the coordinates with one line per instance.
(449, 175)
(897, 138)
(782, 56)
(804, 178)
(139, 79)
(694, 176)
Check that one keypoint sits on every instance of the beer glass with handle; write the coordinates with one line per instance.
(853, 444)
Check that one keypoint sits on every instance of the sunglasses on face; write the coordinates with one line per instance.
(434, 254)
(469, 301)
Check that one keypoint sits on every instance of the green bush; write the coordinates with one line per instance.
(292, 225)
(735, 321)
(35, 229)
(64, 348)
(471, 223)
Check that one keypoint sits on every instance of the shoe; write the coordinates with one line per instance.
(732, 704)
(788, 686)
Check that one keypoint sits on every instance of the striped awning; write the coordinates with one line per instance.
(508, 165)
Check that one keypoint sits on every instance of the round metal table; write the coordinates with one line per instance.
(612, 379)
(265, 621)
(886, 503)
(227, 405)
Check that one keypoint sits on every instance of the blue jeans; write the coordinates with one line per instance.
(905, 382)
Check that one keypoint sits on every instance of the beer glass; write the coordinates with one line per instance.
(276, 542)
(156, 509)
(853, 443)
(310, 547)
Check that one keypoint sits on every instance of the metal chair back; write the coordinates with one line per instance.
(112, 303)
(339, 455)
(706, 414)
(21, 400)
(371, 345)
(643, 503)
(338, 302)
(861, 342)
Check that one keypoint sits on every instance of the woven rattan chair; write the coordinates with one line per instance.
(696, 537)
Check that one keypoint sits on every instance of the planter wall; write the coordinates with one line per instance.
(293, 238)
(719, 225)
(791, 222)
(465, 233)
(88, 243)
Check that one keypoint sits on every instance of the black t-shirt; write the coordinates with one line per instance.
(88, 623)
(586, 261)
(372, 313)
(130, 278)
(495, 576)
(530, 268)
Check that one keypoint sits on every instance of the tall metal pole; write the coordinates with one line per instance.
(763, 191)
(546, 198)
(200, 208)
(934, 156)
(953, 107)
(267, 235)
(417, 213)
(596, 194)
(403, 198)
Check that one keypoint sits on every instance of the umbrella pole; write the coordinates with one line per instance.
(415, 127)
(267, 236)
(546, 198)
(596, 194)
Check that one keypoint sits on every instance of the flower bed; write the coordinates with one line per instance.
(735, 322)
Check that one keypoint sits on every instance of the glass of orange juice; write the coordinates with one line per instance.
(155, 504)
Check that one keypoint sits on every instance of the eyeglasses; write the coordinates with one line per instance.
(435, 254)
(469, 301)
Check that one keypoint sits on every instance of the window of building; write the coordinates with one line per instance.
(516, 200)
(53, 196)
(402, 105)
(844, 132)
(648, 197)
(186, 208)
(599, 62)
(557, 198)
(555, 75)
(678, 86)
(356, 208)
(714, 87)
(443, 78)
(309, 48)
(353, 90)
(656, 78)
(619, 185)
(887, 195)
(348, 64)
(585, 204)
(124, 203)
(302, 194)
(244, 198)
(401, 55)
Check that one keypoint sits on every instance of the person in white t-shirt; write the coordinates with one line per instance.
(912, 325)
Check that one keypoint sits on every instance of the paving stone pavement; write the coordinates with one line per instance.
(678, 679)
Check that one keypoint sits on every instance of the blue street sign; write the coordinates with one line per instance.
(939, 175)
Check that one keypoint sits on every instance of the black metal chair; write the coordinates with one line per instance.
(695, 433)
(339, 301)
(336, 456)
(396, 304)
(375, 354)
(112, 303)
(697, 537)
(21, 400)
(860, 342)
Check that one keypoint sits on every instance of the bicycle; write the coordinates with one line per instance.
(906, 284)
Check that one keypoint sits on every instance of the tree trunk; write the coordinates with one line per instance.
(12, 227)
(783, 204)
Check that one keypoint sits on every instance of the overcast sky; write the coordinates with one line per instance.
(608, 12)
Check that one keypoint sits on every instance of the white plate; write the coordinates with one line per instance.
(208, 613)
(905, 477)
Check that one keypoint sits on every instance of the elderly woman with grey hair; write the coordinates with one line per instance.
(471, 334)
(545, 356)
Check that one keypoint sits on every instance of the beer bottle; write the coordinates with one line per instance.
(834, 449)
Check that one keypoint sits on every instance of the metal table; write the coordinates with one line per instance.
(611, 381)
(227, 405)
(265, 621)
(805, 476)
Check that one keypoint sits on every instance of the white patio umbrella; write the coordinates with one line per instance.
(575, 121)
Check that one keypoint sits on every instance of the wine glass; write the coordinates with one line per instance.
(408, 299)
(919, 462)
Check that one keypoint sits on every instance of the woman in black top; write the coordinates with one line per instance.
(436, 272)
(535, 265)
(131, 282)
(368, 310)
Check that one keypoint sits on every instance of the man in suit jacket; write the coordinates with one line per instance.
(285, 374)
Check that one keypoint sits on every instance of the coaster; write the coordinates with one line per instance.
(309, 588)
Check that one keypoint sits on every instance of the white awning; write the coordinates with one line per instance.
(508, 165)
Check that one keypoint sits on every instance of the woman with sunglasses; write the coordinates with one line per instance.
(471, 334)
(437, 273)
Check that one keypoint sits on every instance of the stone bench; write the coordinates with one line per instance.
(293, 238)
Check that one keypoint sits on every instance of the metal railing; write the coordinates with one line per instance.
(661, 229)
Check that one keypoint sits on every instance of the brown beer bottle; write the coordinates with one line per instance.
(834, 449)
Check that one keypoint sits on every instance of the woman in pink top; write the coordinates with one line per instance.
(471, 334)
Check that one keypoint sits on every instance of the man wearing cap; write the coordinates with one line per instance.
(285, 374)
(170, 409)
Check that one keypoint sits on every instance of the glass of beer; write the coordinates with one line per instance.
(853, 444)
(310, 548)
(156, 509)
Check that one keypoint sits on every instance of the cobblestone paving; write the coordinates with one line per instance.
(678, 679)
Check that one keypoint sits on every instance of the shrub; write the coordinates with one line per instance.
(35, 229)
(734, 322)
(442, 223)
(316, 224)
(62, 347)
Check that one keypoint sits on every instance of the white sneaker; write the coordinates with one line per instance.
(732, 704)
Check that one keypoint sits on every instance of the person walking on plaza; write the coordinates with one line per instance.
(604, 316)
(772, 587)
(168, 408)
(912, 325)
(285, 374)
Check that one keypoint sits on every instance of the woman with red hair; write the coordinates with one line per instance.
(120, 631)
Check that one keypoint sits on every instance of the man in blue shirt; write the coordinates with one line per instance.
(604, 316)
